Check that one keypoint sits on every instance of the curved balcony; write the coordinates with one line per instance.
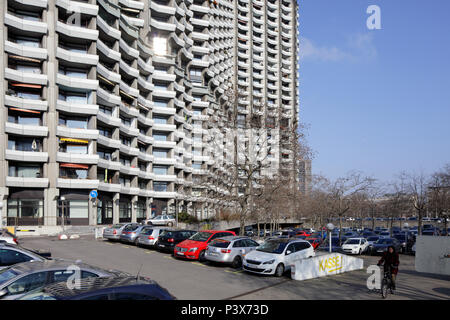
(89, 134)
(76, 32)
(25, 51)
(77, 6)
(31, 104)
(35, 27)
(26, 130)
(25, 77)
(76, 57)
(76, 108)
(27, 182)
(107, 29)
(77, 183)
(27, 156)
(77, 83)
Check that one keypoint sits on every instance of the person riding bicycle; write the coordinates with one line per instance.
(391, 260)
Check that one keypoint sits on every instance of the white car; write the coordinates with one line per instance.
(355, 245)
(275, 256)
(163, 220)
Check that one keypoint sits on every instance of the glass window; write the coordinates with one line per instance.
(9, 257)
(125, 209)
(77, 149)
(160, 186)
(25, 171)
(160, 103)
(160, 170)
(78, 209)
(160, 153)
(27, 283)
(160, 120)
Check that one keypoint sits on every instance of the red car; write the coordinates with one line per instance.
(194, 248)
(303, 233)
(315, 242)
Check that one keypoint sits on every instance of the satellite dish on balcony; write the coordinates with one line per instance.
(34, 145)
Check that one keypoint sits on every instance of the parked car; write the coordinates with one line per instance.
(427, 226)
(315, 242)
(113, 232)
(230, 250)
(168, 239)
(385, 234)
(11, 254)
(22, 278)
(194, 248)
(355, 245)
(162, 220)
(105, 288)
(8, 237)
(303, 233)
(149, 236)
(382, 245)
(276, 256)
(335, 245)
(372, 239)
(402, 238)
(430, 232)
(131, 233)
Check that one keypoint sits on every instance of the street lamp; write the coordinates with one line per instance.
(1, 216)
(330, 228)
(63, 199)
(406, 225)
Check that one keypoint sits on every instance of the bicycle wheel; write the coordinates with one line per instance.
(384, 288)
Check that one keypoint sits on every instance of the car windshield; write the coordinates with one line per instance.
(200, 236)
(219, 243)
(272, 246)
(167, 233)
(7, 274)
(131, 228)
(147, 231)
(352, 241)
(384, 241)
(117, 226)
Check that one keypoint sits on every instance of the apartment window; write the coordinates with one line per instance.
(160, 103)
(197, 112)
(160, 45)
(161, 170)
(197, 97)
(73, 171)
(24, 144)
(161, 85)
(125, 121)
(197, 166)
(24, 92)
(25, 15)
(24, 117)
(196, 75)
(160, 136)
(160, 120)
(142, 184)
(161, 69)
(73, 97)
(124, 210)
(125, 161)
(73, 72)
(25, 170)
(105, 109)
(160, 186)
(106, 132)
(142, 147)
(160, 153)
(125, 140)
(104, 154)
(74, 148)
(25, 41)
(73, 122)
(24, 66)
(74, 47)
(25, 208)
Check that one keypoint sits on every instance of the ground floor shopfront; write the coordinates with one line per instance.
(75, 207)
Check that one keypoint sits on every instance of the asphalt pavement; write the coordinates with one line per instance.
(204, 281)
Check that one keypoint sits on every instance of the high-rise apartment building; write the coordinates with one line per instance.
(120, 97)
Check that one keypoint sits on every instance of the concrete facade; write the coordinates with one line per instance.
(119, 97)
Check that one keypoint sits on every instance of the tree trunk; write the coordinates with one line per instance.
(340, 229)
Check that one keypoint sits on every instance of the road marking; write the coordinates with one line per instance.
(148, 252)
(260, 289)
(234, 272)
(166, 257)
(198, 264)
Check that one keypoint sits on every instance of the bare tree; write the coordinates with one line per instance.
(439, 194)
(417, 188)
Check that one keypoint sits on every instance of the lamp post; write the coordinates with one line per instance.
(1, 215)
(330, 228)
(63, 199)
(406, 225)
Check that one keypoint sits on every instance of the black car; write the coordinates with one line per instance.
(382, 245)
(168, 239)
(103, 288)
(402, 238)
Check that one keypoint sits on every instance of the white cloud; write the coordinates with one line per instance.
(358, 47)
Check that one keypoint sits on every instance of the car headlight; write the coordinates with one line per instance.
(269, 262)
(192, 249)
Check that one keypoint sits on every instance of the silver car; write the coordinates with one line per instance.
(230, 250)
(114, 232)
(12, 254)
(131, 233)
(164, 220)
(19, 279)
(149, 236)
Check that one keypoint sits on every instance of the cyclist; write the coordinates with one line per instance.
(390, 259)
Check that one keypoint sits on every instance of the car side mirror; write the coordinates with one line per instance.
(288, 252)
(3, 293)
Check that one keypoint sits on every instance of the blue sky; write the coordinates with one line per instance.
(376, 100)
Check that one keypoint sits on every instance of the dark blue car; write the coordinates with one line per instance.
(103, 288)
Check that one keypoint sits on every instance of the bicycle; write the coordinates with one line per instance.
(386, 283)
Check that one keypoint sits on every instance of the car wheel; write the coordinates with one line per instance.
(279, 270)
(237, 262)
(170, 224)
(201, 256)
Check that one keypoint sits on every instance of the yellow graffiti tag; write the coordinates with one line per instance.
(331, 264)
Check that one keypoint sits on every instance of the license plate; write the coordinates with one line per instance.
(161, 245)
(180, 253)
(213, 254)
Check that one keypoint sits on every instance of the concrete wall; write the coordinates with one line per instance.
(433, 254)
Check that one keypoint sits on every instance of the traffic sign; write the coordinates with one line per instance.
(93, 194)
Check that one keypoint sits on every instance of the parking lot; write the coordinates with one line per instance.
(195, 280)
